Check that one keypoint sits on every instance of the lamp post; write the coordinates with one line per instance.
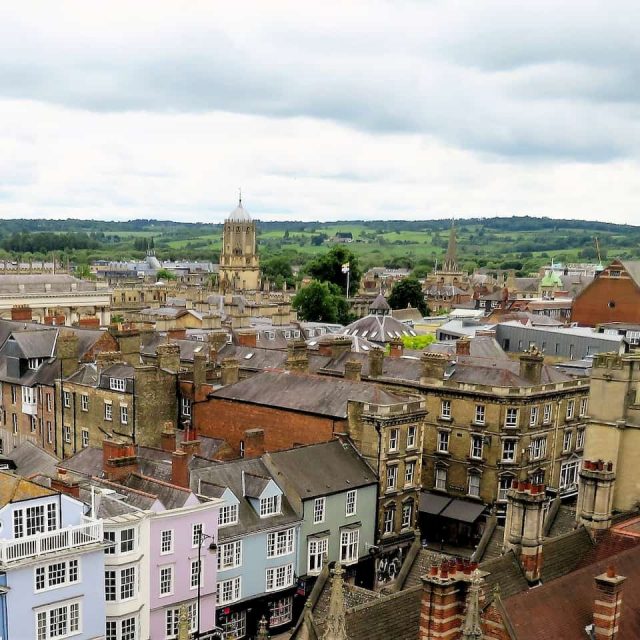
(213, 548)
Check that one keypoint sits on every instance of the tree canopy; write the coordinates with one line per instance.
(165, 274)
(408, 292)
(328, 268)
(278, 270)
(321, 302)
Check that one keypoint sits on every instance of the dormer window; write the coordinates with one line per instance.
(269, 506)
(117, 384)
(34, 363)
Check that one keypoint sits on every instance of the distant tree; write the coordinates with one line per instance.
(408, 292)
(417, 343)
(165, 274)
(321, 302)
(328, 268)
(278, 270)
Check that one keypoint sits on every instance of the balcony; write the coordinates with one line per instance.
(53, 541)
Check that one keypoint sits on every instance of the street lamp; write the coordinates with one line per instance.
(213, 548)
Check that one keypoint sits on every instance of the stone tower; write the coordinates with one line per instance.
(239, 262)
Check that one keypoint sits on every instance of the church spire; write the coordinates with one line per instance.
(450, 261)
(471, 627)
(239, 196)
(336, 625)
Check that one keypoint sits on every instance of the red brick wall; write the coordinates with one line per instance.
(591, 307)
(220, 418)
(105, 343)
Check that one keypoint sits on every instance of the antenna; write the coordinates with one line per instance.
(598, 250)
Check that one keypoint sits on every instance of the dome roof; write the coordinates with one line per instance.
(239, 214)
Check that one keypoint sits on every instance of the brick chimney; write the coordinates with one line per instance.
(523, 531)
(531, 362)
(444, 595)
(67, 351)
(64, 484)
(353, 370)
(463, 346)
(199, 369)
(118, 459)
(334, 347)
(608, 605)
(247, 337)
(217, 339)
(190, 440)
(180, 468)
(21, 313)
(177, 333)
(230, 371)
(376, 362)
(168, 356)
(396, 348)
(297, 358)
(129, 342)
(595, 494)
(168, 438)
(433, 366)
(253, 443)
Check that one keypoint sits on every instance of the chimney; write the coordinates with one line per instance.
(608, 605)
(247, 338)
(334, 347)
(433, 366)
(129, 342)
(168, 438)
(531, 365)
(595, 494)
(199, 369)
(297, 358)
(253, 443)
(444, 595)
(463, 346)
(523, 531)
(180, 468)
(21, 313)
(168, 357)
(376, 362)
(217, 339)
(190, 441)
(230, 371)
(353, 370)
(177, 333)
(396, 348)
(64, 484)
(118, 459)
(89, 322)
(67, 351)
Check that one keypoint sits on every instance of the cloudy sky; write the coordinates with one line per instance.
(320, 110)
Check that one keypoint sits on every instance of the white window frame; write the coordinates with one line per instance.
(349, 545)
(278, 578)
(108, 410)
(412, 431)
(281, 543)
(235, 624)
(124, 414)
(503, 490)
(351, 503)
(84, 402)
(85, 438)
(443, 441)
(132, 541)
(196, 571)
(533, 416)
(316, 549)
(280, 611)
(270, 506)
(392, 477)
(66, 399)
(66, 433)
(118, 384)
(538, 448)
(571, 409)
(409, 473)
(185, 407)
(166, 542)
(165, 580)
(580, 434)
(407, 515)
(229, 590)
(477, 447)
(440, 478)
(480, 414)
(394, 437)
(445, 409)
(547, 413)
(55, 575)
(228, 515)
(230, 555)
(567, 440)
(569, 469)
(473, 485)
(511, 416)
(71, 618)
(512, 450)
(319, 510)
(584, 406)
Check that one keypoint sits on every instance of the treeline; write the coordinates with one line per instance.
(25, 242)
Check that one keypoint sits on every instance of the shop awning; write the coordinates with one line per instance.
(432, 503)
(463, 510)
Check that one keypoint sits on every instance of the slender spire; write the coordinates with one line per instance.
(336, 625)
(450, 261)
(239, 196)
(472, 627)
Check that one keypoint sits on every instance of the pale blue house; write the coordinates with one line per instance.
(258, 540)
(51, 565)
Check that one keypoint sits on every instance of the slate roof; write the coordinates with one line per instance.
(562, 555)
(565, 606)
(321, 469)
(378, 328)
(506, 572)
(31, 459)
(229, 474)
(306, 393)
(171, 496)
(13, 488)
(380, 304)
(35, 283)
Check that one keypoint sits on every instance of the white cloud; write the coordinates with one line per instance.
(330, 110)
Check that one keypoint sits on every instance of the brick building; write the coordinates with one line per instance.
(113, 398)
(32, 356)
(614, 296)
